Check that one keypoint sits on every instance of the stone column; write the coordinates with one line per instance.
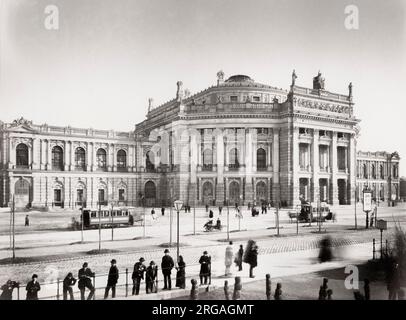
(72, 156)
(66, 156)
(88, 155)
(36, 153)
(94, 157)
(194, 151)
(295, 165)
(49, 155)
(315, 167)
(352, 171)
(43, 155)
(275, 161)
(250, 136)
(220, 168)
(333, 164)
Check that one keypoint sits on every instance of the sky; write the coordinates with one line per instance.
(107, 57)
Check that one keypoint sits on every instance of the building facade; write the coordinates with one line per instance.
(239, 141)
(48, 166)
(379, 172)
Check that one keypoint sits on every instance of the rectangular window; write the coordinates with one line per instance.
(256, 99)
(121, 193)
(234, 98)
(322, 133)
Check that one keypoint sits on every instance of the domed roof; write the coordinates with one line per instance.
(239, 78)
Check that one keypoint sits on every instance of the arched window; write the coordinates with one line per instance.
(150, 193)
(208, 160)
(22, 155)
(80, 159)
(57, 158)
(101, 159)
(149, 161)
(121, 160)
(234, 162)
(365, 171)
(381, 172)
(261, 159)
(373, 173)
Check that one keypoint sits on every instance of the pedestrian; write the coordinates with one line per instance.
(153, 213)
(220, 209)
(205, 264)
(150, 277)
(367, 291)
(167, 265)
(138, 275)
(207, 208)
(239, 258)
(85, 276)
(68, 282)
(211, 215)
(251, 256)
(394, 281)
(229, 258)
(323, 290)
(32, 288)
(278, 292)
(163, 211)
(27, 221)
(329, 294)
(112, 280)
(180, 274)
(7, 290)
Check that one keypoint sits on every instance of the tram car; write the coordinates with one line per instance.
(119, 216)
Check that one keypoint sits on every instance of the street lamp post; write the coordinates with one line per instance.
(112, 221)
(81, 220)
(99, 226)
(178, 206)
(228, 221)
(13, 226)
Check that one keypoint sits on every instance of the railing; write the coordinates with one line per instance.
(207, 167)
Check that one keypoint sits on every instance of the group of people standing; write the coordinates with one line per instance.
(249, 256)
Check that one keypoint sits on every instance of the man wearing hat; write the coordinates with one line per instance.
(150, 277)
(205, 266)
(32, 288)
(85, 276)
(112, 280)
(167, 265)
(138, 274)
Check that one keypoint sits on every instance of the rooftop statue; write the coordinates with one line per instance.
(318, 82)
(350, 90)
(294, 77)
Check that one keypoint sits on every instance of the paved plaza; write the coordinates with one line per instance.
(53, 253)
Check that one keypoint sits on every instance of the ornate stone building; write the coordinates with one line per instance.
(62, 167)
(238, 140)
(379, 171)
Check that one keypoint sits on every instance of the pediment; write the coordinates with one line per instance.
(22, 128)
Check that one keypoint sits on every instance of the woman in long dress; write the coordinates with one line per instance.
(180, 274)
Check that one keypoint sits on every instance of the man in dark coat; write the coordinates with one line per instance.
(112, 280)
(7, 290)
(85, 276)
(205, 265)
(163, 211)
(239, 258)
(138, 275)
(251, 255)
(394, 281)
(68, 282)
(32, 288)
(150, 277)
(167, 265)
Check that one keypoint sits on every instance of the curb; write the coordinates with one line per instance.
(177, 293)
